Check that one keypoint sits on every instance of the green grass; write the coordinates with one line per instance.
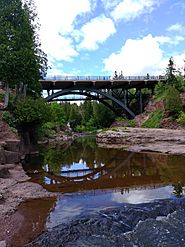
(154, 120)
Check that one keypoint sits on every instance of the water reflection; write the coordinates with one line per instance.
(84, 167)
(92, 178)
(27, 222)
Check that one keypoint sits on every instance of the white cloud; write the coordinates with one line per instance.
(176, 28)
(163, 39)
(57, 19)
(131, 9)
(109, 4)
(59, 48)
(173, 40)
(179, 61)
(60, 15)
(96, 32)
(137, 57)
(142, 196)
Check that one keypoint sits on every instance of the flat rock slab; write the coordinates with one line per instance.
(143, 140)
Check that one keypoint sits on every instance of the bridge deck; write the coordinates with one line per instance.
(102, 82)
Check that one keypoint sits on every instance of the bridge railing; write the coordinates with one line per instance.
(104, 78)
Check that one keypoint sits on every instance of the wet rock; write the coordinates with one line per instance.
(157, 233)
(159, 224)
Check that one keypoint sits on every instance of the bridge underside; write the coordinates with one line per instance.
(124, 97)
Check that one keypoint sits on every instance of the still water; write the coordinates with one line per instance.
(87, 179)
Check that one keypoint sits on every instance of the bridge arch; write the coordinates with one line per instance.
(89, 92)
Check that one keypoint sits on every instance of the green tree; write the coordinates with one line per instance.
(29, 114)
(22, 62)
(74, 117)
(171, 77)
(173, 101)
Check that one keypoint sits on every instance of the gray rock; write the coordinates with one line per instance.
(2, 156)
(3, 244)
(12, 145)
(4, 172)
(12, 157)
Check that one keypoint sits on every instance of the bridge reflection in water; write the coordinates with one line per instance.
(84, 167)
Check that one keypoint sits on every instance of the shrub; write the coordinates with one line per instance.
(159, 91)
(9, 119)
(29, 111)
(154, 119)
(173, 101)
(128, 122)
(181, 118)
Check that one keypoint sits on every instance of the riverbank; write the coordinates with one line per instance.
(143, 140)
(14, 183)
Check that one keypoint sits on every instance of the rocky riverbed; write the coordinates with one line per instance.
(143, 140)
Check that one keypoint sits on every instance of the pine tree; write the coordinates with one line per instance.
(22, 62)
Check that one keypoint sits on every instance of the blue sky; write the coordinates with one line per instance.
(97, 37)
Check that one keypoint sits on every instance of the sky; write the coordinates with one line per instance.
(98, 37)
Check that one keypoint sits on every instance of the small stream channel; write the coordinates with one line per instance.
(88, 178)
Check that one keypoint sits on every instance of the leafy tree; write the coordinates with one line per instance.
(29, 112)
(28, 115)
(22, 62)
(58, 113)
(74, 117)
(103, 117)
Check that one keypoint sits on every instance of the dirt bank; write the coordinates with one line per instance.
(143, 140)
(14, 183)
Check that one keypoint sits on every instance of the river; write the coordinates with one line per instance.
(88, 178)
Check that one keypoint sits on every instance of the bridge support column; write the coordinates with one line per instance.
(140, 101)
(126, 97)
(48, 92)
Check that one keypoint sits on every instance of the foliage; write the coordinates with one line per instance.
(173, 101)
(47, 130)
(128, 122)
(1, 96)
(154, 119)
(58, 113)
(8, 118)
(181, 118)
(29, 111)
(171, 77)
(21, 59)
(159, 91)
(86, 117)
